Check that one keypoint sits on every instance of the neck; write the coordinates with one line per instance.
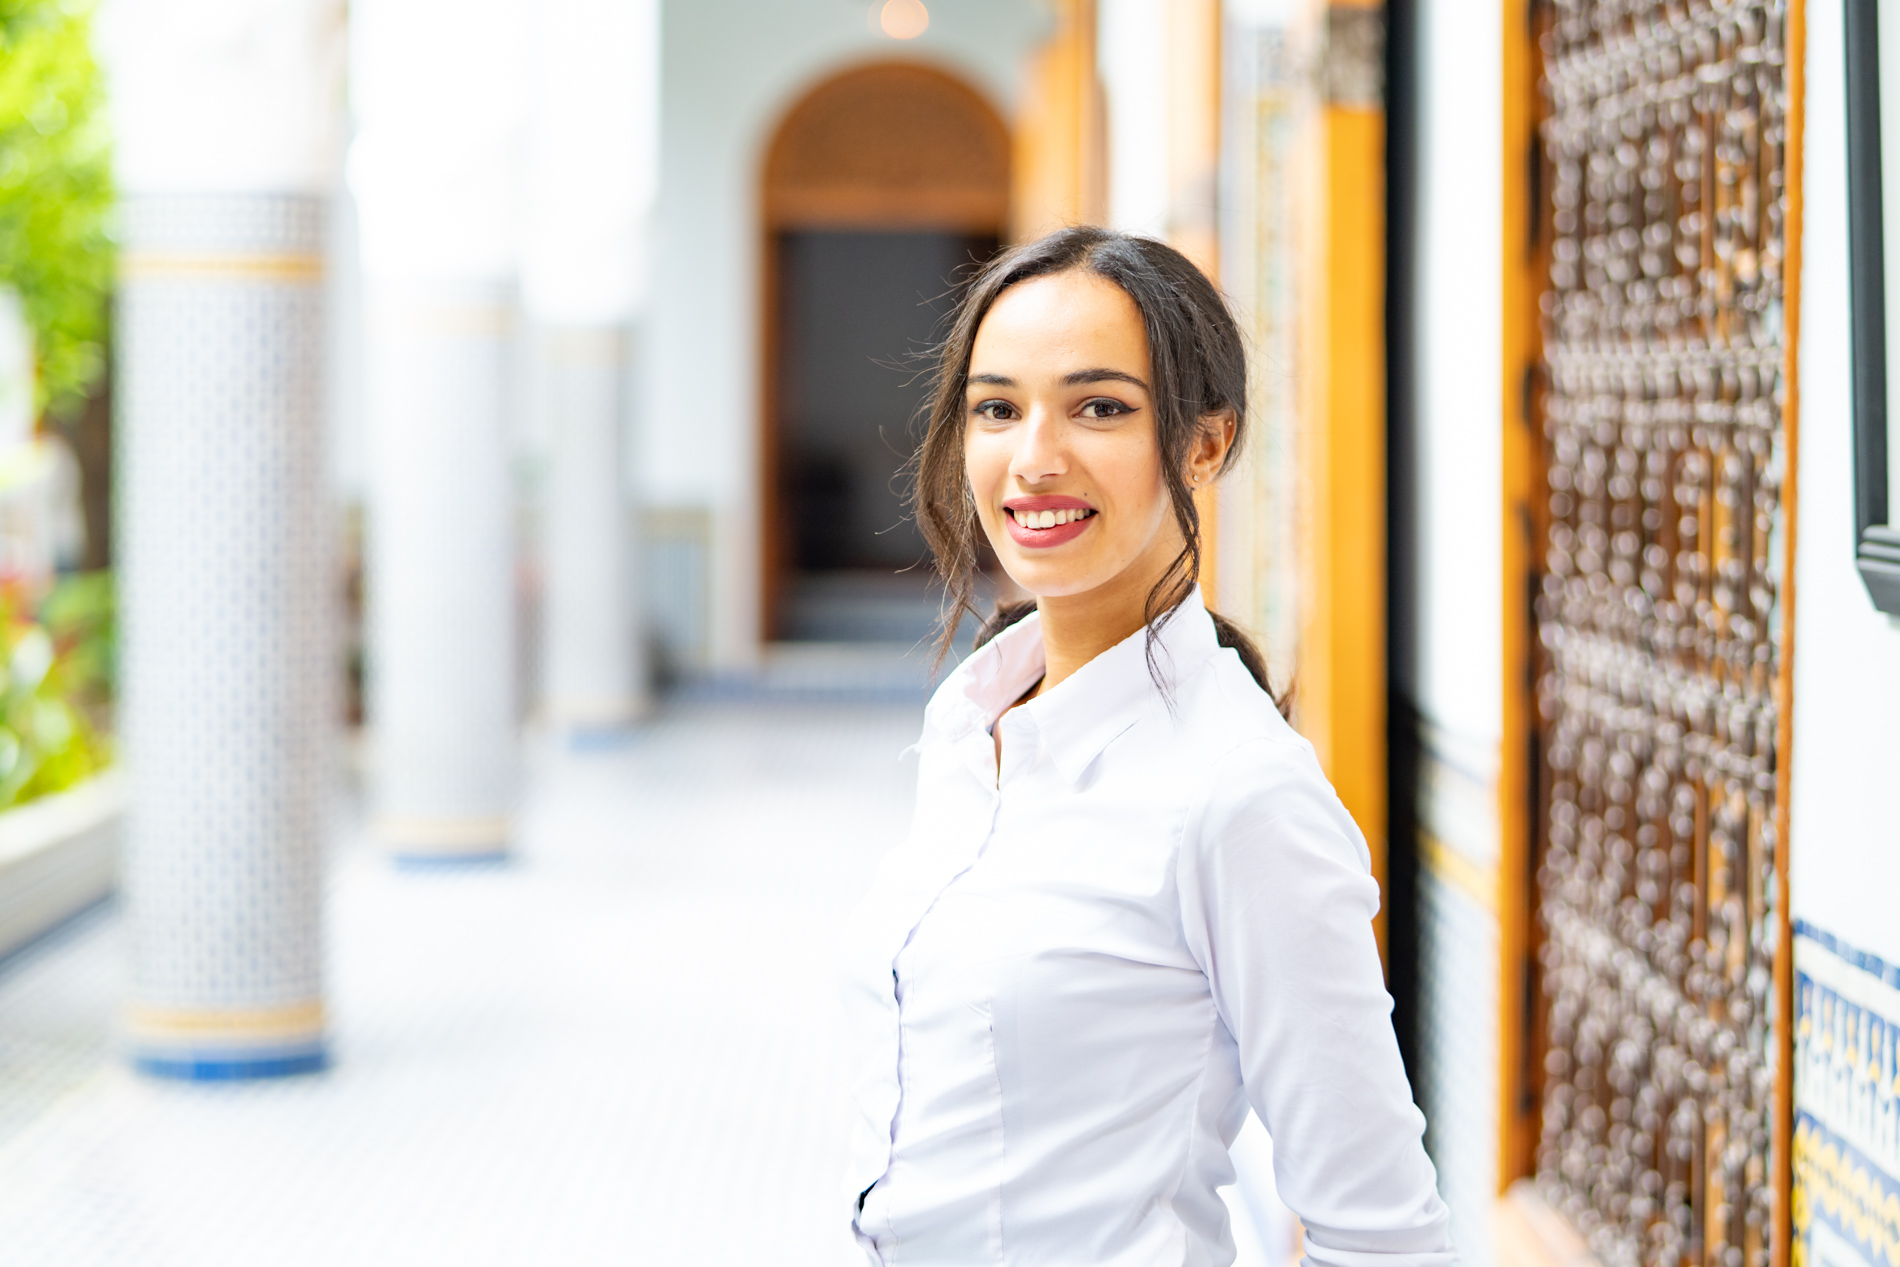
(1078, 627)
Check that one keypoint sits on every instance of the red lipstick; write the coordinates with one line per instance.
(1025, 517)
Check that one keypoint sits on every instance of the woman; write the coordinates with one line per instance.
(1130, 904)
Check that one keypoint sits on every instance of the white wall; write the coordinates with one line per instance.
(1459, 285)
(1844, 851)
(1456, 682)
(728, 71)
(1131, 51)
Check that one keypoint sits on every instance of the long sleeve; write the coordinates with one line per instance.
(1277, 903)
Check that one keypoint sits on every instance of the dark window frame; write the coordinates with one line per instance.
(1876, 538)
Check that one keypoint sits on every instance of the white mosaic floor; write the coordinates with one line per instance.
(617, 1049)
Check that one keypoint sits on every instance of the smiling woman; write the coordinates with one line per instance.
(1130, 906)
(1043, 402)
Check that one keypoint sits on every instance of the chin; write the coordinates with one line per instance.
(1048, 578)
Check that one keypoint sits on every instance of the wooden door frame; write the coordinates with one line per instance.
(842, 207)
(1525, 263)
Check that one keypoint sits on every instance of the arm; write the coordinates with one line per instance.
(1277, 902)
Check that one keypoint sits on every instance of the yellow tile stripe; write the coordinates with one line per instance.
(473, 321)
(443, 835)
(594, 348)
(300, 266)
(296, 1020)
(1474, 880)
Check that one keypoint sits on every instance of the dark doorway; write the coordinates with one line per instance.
(858, 311)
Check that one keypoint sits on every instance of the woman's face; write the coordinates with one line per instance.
(1059, 441)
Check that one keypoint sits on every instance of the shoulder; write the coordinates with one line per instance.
(1258, 784)
(1221, 718)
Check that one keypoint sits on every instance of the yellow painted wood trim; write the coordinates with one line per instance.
(1194, 95)
(1342, 677)
(221, 266)
(1207, 504)
(1521, 480)
(1060, 168)
(1781, 1243)
(1194, 104)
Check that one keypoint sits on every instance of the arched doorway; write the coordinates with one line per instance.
(880, 184)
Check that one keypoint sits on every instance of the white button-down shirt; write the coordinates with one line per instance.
(1068, 983)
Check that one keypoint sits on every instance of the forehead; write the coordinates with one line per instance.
(1050, 326)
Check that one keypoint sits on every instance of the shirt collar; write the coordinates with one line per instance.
(978, 691)
(1083, 715)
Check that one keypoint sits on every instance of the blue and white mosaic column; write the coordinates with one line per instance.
(225, 141)
(590, 680)
(227, 654)
(442, 607)
(435, 166)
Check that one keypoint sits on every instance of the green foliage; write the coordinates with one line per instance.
(55, 687)
(55, 191)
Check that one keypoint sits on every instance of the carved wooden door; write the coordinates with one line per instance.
(1658, 623)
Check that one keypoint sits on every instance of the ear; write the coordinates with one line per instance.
(1210, 447)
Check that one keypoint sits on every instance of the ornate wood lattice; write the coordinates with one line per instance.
(1657, 618)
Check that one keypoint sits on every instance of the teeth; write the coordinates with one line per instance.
(1049, 518)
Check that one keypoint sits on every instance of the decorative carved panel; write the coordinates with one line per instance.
(1659, 625)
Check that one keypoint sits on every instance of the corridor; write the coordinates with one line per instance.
(614, 1049)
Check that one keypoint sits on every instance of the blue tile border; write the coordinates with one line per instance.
(486, 861)
(1871, 964)
(232, 1069)
(600, 738)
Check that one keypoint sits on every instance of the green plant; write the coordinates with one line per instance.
(55, 191)
(55, 686)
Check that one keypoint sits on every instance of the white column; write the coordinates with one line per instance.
(593, 152)
(226, 135)
(435, 168)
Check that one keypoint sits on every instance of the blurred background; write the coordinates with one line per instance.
(460, 615)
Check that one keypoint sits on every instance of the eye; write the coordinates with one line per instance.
(995, 410)
(1104, 407)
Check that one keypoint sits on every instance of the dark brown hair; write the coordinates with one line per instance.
(1199, 371)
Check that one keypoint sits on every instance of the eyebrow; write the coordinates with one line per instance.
(1101, 376)
(1068, 380)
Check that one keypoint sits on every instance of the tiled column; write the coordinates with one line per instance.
(595, 93)
(436, 171)
(441, 568)
(228, 662)
(591, 679)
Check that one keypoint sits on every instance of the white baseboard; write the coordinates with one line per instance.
(58, 855)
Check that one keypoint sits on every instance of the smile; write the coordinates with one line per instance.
(1041, 522)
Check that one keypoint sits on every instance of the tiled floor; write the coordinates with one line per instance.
(616, 1049)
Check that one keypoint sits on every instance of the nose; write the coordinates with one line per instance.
(1039, 451)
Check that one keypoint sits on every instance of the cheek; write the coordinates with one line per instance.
(985, 463)
(1128, 471)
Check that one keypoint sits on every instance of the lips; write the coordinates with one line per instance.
(1047, 520)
